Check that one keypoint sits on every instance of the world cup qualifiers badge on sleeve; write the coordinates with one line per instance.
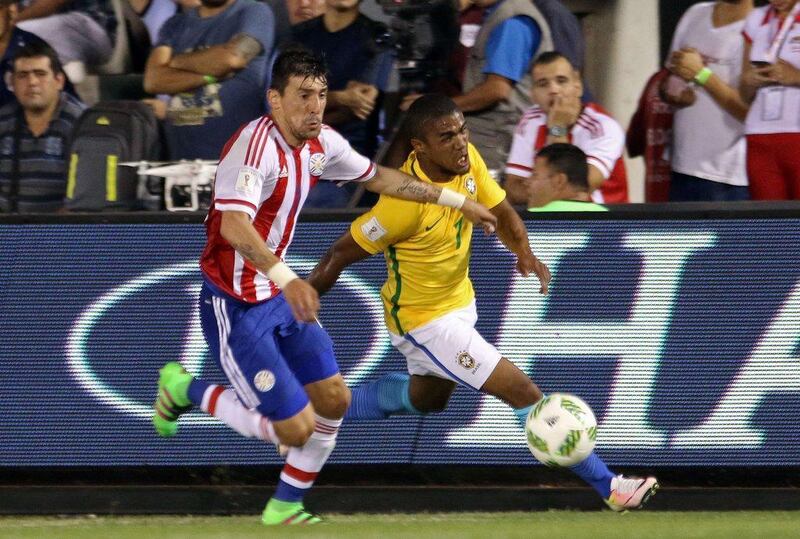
(246, 180)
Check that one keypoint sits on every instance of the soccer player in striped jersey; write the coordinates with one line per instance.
(258, 317)
(429, 303)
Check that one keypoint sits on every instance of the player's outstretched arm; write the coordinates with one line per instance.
(394, 183)
(341, 254)
(512, 232)
(239, 232)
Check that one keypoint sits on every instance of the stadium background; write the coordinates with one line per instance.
(678, 324)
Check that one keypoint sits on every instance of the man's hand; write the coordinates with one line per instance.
(781, 73)
(479, 215)
(564, 112)
(303, 300)
(360, 98)
(528, 264)
(686, 64)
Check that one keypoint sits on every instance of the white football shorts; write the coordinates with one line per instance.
(449, 347)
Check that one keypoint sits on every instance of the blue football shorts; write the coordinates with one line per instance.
(266, 354)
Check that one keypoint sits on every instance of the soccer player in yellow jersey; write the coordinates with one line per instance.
(429, 303)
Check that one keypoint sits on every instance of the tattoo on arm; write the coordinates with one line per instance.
(417, 190)
(251, 254)
(248, 47)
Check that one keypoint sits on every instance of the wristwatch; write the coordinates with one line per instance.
(557, 131)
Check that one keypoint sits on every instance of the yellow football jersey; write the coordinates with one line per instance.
(426, 247)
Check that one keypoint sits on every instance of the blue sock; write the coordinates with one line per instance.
(287, 493)
(595, 472)
(381, 398)
(592, 470)
(522, 414)
(197, 388)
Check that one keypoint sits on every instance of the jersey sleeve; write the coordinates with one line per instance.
(522, 153)
(390, 221)
(604, 151)
(238, 185)
(489, 193)
(344, 163)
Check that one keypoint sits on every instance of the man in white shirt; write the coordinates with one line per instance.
(708, 159)
(559, 116)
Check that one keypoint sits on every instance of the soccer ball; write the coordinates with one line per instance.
(561, 430)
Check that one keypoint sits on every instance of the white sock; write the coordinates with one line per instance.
(225, 405)
(304, 463)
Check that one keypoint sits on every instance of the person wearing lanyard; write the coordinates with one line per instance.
(771, 82)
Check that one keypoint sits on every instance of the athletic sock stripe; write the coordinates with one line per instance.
(163, 416)
(212, 401)
(326, 429)
(167, 408)
(171, 402)
(299, 475)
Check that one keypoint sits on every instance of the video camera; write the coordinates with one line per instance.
(421, 32)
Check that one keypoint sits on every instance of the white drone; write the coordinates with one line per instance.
(195, 175)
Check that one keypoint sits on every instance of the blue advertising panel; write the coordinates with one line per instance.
(682, 335)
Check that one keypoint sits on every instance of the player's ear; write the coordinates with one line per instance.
(273, 98)
(417, 145)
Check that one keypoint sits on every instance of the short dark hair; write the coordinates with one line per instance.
(570, 160)
(38, 49)
(296, 62)
(547, 58)
(425, 109)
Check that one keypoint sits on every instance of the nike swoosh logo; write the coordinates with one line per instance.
(427, 228)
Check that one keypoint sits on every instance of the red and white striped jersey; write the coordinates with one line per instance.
(600, 137)
(261, 175)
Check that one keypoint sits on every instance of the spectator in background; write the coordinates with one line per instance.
(34, 133)
(214, 63)
(358, 71)
(567, 35)
(289, 13)
(80, 30)
(708, 157)
(559, 116)
(497, 79)
(11, 40)
(154, 13)
(650, 136)
(771, 82)
(560, 181)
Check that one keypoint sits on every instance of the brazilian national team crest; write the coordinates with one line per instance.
(470, 185)
(466, 360)
(316, 164)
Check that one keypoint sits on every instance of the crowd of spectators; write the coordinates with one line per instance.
(719, 122)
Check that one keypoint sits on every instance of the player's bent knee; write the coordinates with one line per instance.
(331, 399)
(296, 430)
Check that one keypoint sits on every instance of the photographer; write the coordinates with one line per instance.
(771, 80)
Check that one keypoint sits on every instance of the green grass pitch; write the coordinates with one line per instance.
(546, 525)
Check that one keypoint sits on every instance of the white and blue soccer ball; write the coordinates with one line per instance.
(561, 430)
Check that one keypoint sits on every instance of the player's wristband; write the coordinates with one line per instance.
(210, 79)
(281, 274)
(451, 199)
(702, 76)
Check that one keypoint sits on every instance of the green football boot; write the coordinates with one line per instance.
(280, 513)
(173, 398)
